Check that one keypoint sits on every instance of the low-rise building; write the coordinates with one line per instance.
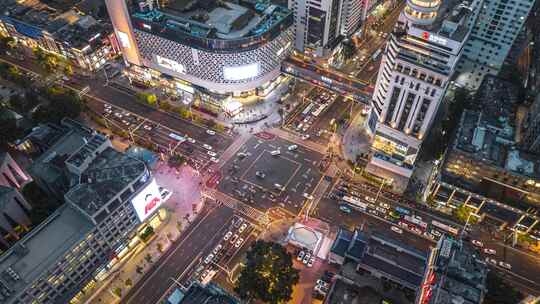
(11, 174)
(485, 168)
(456, 274)
(382, 257)
(64, 30)
(109, 199)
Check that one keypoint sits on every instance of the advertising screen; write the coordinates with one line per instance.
(170, 64)
(241, 72)
(147, 201)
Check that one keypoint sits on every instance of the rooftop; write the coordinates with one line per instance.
(35, 252)
(488, 133)
(58, 18)
(214, 19)
(107, 175)
(196, 294)
(451, 20)
(460, 274)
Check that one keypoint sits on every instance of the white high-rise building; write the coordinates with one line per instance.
(317, 25)
(351, 16)
(415, 71)
(493, 33)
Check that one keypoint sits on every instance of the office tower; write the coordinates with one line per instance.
(492, 35)
(531, 132)
(317, 26)
(351, 16)
(415, 71)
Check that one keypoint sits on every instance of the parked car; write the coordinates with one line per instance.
(491, 261)
(306, 258)
(505, 265)
(292, 147)
(234, 238)
(345, 209)
(396, 229)
(300, 255)
(239, 243)
(209, 258)
(227, 235)
(242, 228)
(310, 262)
(210, 132)
(477, 243)
(490, 251)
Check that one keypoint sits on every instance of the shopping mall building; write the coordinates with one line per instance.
(206, 50)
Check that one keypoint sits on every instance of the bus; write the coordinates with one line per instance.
(403, 211)
(445, 227)
(307, 109)
(177, 137)
(317, 112)
(376, 54)
(355, 203)
(416, 222)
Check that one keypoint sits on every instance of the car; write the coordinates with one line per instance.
(300, 255)
(374, 212)
(241, 155)
(505, 265)
(322, 283)
(306, 258)
(381, 210)
(260, 174)
(369, 199)
(308, 196)
(491, 261)
(477, 243)
(242, 227)
(275, 152)
(490, 251)
(213, 159)
(384, 205)
(227, 236)
(292, 147)
(189, 139)
(396, 229)
(210, 132)
(237, 223)
(310, 262)
(209, 258)
(147, 128)
(211, 153)
(207, 147)
(305, 137)
(234, 238)
(279, 187)
(239, 243)
(345, 209)
(217, 249)
(436, 233)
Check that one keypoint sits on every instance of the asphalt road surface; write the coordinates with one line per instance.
(296, 172)
(195, 244)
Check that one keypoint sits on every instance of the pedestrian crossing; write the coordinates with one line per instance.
(231, 202)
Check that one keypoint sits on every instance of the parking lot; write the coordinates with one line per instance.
(263, 180)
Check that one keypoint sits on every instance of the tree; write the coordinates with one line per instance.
(128, 282)
(139, 269)
(68, 70)
(159, 247)
(118, 291)
(176, 161)
(269, 275)
(9, 130)
(148, 258)
(42, 204)
(62, 104)
(462, 214)
(7, 44)
(500, 292)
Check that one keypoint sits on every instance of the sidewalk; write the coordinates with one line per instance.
(182, 208)
(355, 140)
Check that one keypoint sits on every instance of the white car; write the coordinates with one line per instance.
(396, 229)
(217, 249)
(308, 196)
(292, 147)
(210, 132)
(147, 128)
(211, 153)
(242, 227)
(239, 242)
(370, 199)
(305, 137)
(310, 262)
(207, 147)
(213, 159)
(275, 152)
(491, 261)
(279, 187)
(490, 251)
(189, 139)
(209, 258)
(505, 265)
(306, 258)
(477, 243)
(227, 236)
(300, 256)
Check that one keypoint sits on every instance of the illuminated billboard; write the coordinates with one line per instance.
(170, 64)
(241, 72)
(147, 201)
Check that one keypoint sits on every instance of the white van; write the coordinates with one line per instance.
(292, 147)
